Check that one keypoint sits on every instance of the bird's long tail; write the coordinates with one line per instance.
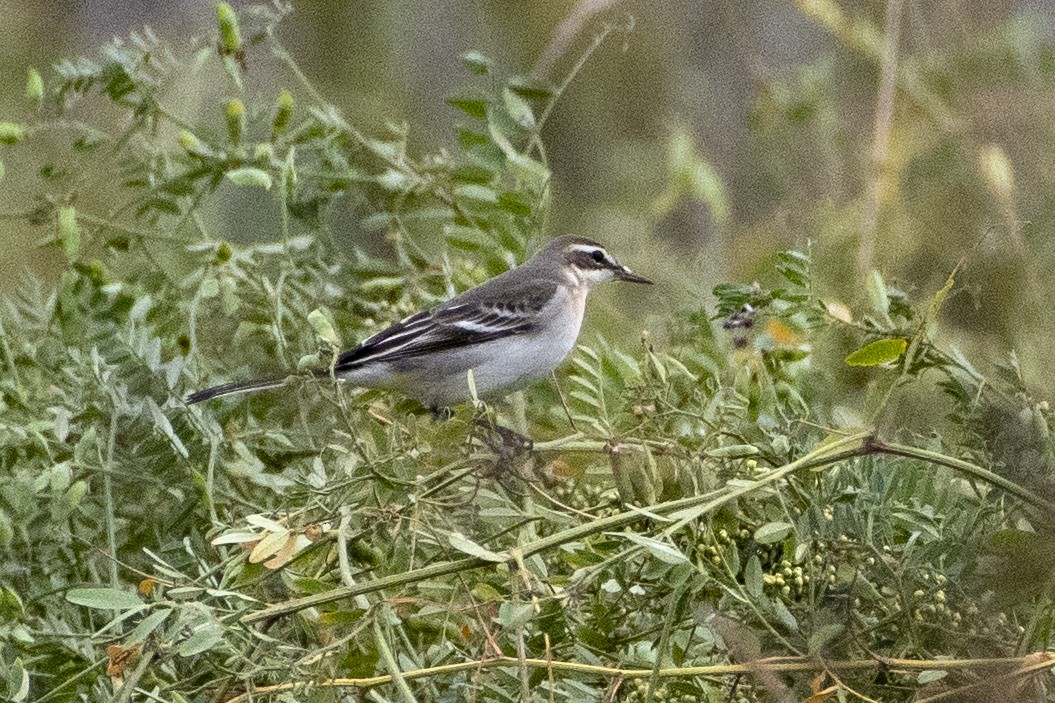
(260, 384)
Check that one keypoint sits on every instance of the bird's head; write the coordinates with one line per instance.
(587, 263)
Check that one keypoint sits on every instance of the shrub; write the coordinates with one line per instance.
(688, 509)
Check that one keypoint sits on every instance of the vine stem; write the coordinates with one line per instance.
(684, 510)
(1024, 666)
(380, 639)
(962, 466)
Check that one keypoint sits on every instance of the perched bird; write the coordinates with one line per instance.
(512, 330)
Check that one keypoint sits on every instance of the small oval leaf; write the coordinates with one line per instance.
(249, 176)
(753, 580)
(772, 532)
(878, 352)
(204, 638)
(11, 133)
(69, 232)
(931, 675)
(660, 550)
(104, 598)
(467, 546)
(733, 451)
(148, 625)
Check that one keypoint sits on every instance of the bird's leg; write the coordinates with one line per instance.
(506, 446)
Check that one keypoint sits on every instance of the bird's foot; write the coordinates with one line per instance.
(504, 442)
(508, 451)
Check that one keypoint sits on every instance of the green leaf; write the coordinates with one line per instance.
(104, 598)
(475, 192)
(732, 451)
(11, 607)
(162, 424)
(467, 546)
(731, 555)
(518, 108)
(823, 635)
(753, 577)
(514, 616)
(660, 550)
(249, 176)
(468, 238)
(486, 592)
(204, 638)
(530, 88)
(533, 172)
(69, 232)
(794, 267)
(472, 173)
(881, 351)
(472, 105)
(34, 86)
(932, 675)
(476, 62)
(514, 204)
(148, 625)
(164, 205)
(785, 615)
(772, 532)
(17, 683)
(879, 297)
(11, 133)
(321, 320)
(624, 484)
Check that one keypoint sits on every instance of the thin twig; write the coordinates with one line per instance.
(568, 29)
(564, 402)
(881, 138)
(773, 664)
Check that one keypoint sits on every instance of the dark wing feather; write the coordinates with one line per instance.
(472, 318)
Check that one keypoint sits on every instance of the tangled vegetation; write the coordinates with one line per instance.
(742, 511)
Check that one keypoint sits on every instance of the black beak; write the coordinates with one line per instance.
(625, 274)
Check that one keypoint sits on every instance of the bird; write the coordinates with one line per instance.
(510, 331)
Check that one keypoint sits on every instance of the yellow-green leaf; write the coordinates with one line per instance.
(69, 232)
(249, 176)
(230, 34)
(34, 86)
(878, 352)
(11, 133)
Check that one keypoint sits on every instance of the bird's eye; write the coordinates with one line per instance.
(597, 255)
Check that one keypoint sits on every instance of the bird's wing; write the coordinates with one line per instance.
(464, 321)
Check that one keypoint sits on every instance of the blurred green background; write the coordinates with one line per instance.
(699, 143)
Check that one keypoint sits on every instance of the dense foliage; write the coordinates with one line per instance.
(743, 505)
